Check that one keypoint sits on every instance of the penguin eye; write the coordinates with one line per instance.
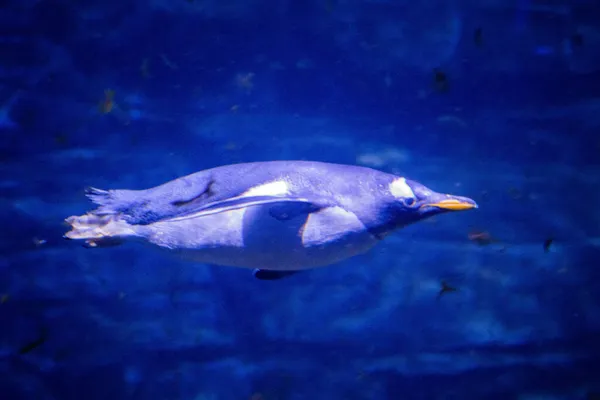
(409, 201)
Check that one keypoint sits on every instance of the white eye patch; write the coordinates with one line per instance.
(400, 189)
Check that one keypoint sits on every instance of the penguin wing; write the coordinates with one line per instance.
(282, 208)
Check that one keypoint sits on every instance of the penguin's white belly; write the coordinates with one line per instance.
(252, 238)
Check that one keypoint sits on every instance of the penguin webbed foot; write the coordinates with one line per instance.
(270, 275)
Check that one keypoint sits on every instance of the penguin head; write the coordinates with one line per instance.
(413, 202)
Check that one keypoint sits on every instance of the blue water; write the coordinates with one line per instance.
(512, 121)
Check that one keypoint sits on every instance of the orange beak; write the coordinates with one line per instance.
(455, 204)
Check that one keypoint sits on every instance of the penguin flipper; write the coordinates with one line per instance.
(270, 275)
(282, 208)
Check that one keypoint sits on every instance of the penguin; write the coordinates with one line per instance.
(274, 217)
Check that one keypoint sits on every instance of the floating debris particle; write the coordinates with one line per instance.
(446, 288)
(547, 244)
(478, 37)
(440, 80)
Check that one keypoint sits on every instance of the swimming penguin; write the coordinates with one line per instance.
(276, 217)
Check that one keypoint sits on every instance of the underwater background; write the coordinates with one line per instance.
(492, 99)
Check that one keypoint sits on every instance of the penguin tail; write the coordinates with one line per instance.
(112, 201)
(98, 230)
